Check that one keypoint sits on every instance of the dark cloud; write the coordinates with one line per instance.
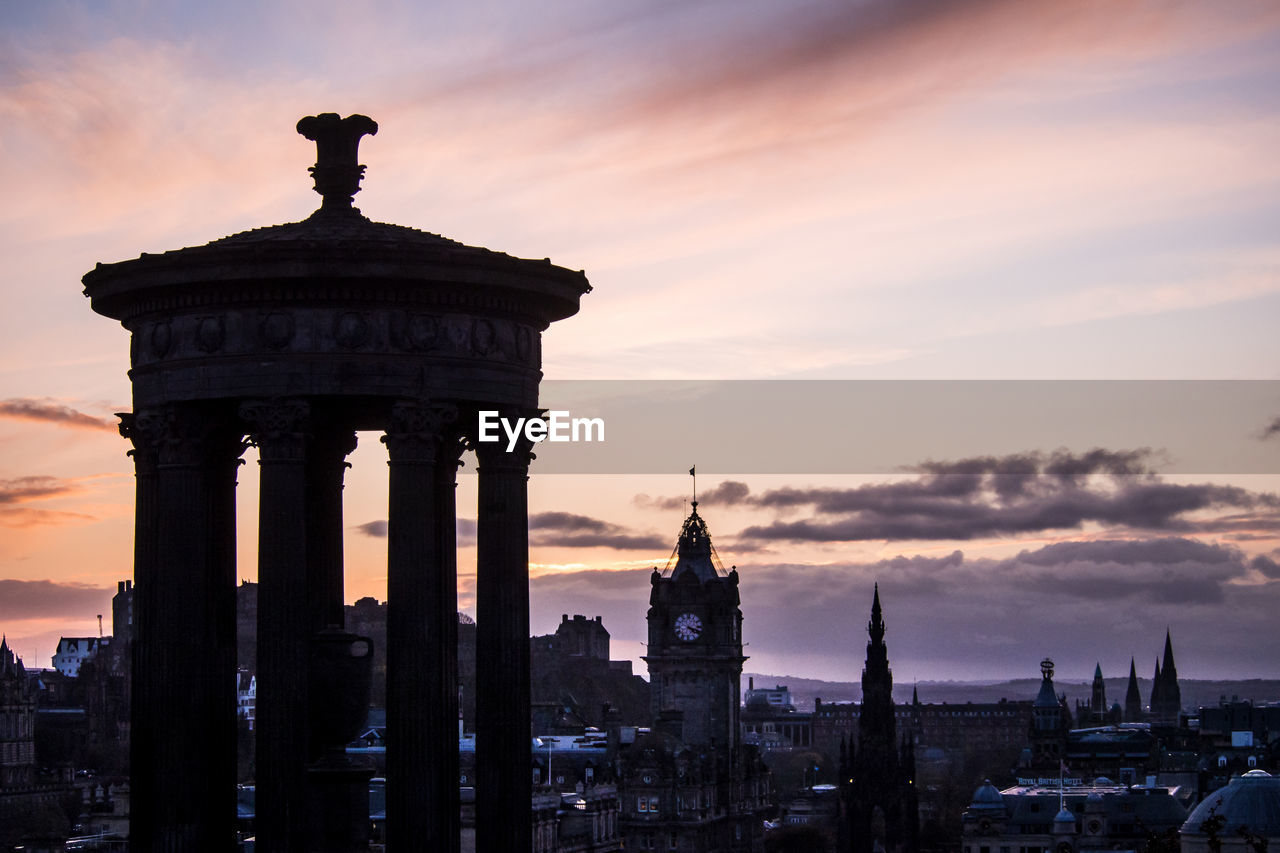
(1272, 429)
(569, 530)
(376, 529)
(728, 493)
(44, 599)
(1002, 496)
(49, 411)
(553, 529)
(466, 530)
(1267, 566)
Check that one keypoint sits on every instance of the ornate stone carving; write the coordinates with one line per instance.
(417, 430)
(211, 333)
(161, 339)
(277, 329)
(351, 329)
(415, 332)
(336, 172)
(180, 434)
(484, 338)
(279, 428)
(524, 343)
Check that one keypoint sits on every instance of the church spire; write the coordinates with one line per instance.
(1132, 697)
(1168, 669)
(1170, 705)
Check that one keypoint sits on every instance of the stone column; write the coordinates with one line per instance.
(422, 693)
(281, 431)
(504, 759)
(326, 466)
(183, 726)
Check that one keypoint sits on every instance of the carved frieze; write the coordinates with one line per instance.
(276, 330)
(318, 331)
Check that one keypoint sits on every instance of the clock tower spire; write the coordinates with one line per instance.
(695, 640)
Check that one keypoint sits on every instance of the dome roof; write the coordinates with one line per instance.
(1250, 801)
(1064, 821)
(336, 244)
(987, 797)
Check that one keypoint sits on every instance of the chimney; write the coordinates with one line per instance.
(119, 587)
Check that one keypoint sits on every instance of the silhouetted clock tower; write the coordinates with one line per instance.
(695, 640)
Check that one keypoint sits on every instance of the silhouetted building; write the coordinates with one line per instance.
(581, 637)
(1166, 695)
(573, 680)
(17, 721)
(879, 806)
(1070, 818)
(1050, 722)
(689, 784)
(770, 720)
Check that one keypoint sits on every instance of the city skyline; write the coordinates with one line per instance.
(885, 191)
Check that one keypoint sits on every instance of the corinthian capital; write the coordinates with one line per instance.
(417, 430)
(279, 428)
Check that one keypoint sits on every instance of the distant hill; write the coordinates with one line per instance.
(1194, 693)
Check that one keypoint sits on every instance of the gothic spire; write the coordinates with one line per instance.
(1132, 697)
(1168, 669)
(1157, 683)
(876, 626)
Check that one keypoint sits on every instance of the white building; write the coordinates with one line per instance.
(74, 651)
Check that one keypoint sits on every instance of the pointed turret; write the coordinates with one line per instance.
(1132, 697)
(1098, 701)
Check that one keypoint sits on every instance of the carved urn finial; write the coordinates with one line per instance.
(336, 172)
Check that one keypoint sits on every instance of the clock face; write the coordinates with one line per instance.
(688, 626)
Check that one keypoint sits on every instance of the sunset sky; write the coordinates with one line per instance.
(877, 190)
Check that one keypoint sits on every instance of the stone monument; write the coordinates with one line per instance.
(290, 338)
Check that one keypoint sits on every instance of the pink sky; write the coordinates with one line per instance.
(867, 190)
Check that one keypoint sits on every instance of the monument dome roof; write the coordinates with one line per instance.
(336, 243)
